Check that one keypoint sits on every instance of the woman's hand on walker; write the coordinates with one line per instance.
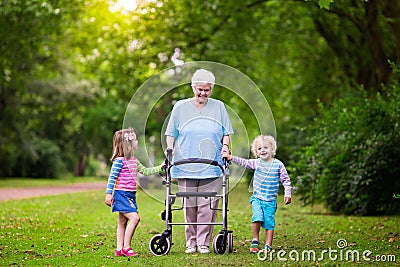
(226, 155)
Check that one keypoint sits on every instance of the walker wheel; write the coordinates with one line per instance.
(159, 245)
(230, 242)
(219, 244)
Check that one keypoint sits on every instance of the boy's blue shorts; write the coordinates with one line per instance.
(264, 212)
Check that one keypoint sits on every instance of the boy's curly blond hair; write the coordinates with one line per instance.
(262, 139)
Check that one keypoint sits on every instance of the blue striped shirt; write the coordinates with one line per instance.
(266, 177)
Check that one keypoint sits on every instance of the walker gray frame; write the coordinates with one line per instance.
(160, 244)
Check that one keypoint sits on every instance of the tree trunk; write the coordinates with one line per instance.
(80, 166)
(375, 41)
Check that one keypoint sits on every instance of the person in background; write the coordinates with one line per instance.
(199, 127)
(269, 171)
(121, 188)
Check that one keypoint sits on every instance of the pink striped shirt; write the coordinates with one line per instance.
(124, 172)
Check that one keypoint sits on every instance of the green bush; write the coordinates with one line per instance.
(40, 158)
(351, 163)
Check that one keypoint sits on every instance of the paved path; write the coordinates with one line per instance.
(20, 193)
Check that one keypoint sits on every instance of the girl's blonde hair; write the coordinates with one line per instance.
(123, 144)
(262, 139)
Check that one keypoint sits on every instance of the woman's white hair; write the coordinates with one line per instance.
(202, 76)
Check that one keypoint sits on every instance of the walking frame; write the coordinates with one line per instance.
(160, 244)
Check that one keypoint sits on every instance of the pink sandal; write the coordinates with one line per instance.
(118, 253)
(128, 252)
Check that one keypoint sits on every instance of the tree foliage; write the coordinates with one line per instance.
(371, 38)
(70, 68)
(351, 164)
(31, 111)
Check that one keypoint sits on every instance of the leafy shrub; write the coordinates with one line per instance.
(352, 162)
(40, 159)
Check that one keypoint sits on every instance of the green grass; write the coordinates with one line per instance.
(79, 230)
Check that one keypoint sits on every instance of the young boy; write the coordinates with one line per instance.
(268, 172)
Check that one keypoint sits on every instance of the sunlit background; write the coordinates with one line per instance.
(123, 5)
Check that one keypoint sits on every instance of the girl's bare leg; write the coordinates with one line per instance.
(121, 228)
(134, 219)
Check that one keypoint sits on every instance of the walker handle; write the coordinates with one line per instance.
(198, 160)
(225, 161)
(169, 156)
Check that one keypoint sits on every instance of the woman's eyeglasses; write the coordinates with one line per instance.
(203, 90)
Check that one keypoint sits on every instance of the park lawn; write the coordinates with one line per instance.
(78, 229)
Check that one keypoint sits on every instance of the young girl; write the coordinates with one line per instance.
(121, 188)
(268, 172)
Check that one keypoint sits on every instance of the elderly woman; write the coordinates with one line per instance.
(199, 127)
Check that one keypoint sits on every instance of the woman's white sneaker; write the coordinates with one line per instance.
(190, 250)
(203, 249)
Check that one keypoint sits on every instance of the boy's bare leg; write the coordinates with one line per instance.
(269, 237)
(256, 226)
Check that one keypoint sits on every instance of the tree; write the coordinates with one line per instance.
(296, 51)
(31, 32)
(364, 36)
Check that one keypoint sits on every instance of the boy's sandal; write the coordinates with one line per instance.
(254, 246)
(267, 248)
(128, 252)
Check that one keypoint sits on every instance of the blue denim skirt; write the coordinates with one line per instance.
(124, 201)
